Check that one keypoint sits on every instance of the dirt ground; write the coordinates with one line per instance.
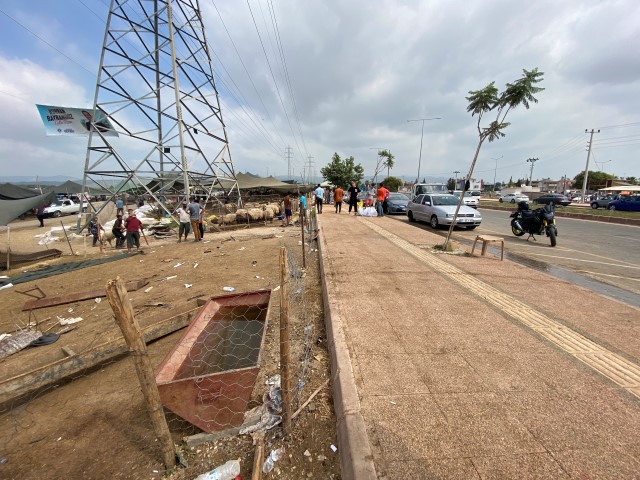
(96, 425)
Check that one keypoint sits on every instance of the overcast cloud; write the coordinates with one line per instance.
(359, 70)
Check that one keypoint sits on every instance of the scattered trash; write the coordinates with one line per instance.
(334, 448)
(8, 285)
(18, 341)
(147, 290)
(307, 453)
(271, 460)
(70, 309)
(187, 285)
(195, 265)
(3, 277)
(228, 289)
(3, 461)
(241, 248)
(276, 289)
(392, 403)
(258, 277)
(206, 241)
(228, 471)
(254, 263)
(46, 339)
(98, 300)
(207, 251)
(271, 409)
(69, 321)
(177, 265)
(321, 458)
(172, 276)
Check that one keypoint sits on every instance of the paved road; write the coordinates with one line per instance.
(608, 253)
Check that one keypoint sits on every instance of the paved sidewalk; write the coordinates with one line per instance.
(450, 366)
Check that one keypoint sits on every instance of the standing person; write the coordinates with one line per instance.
(94, 229)
(201, 222)
(117, 228)
(319, 193)
(353, 197)
(40, 214)
(287, 210)
(194, 218)
(338, 194)
(120, 206)
(369, 195)
(303, 208)
(185, 222)
(380, 196)
(133, 226)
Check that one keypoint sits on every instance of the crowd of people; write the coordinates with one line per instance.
(372, 197)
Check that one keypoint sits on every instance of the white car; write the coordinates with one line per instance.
(438, 209)
(469, 199)
(513, 198)
(63, 207)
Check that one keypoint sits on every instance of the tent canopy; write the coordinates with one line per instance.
(12, 209)
(622, 188)
(9, 191)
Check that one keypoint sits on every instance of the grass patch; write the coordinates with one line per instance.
(441, 247)
(600, 212)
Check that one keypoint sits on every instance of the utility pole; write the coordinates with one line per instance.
(495, 171)
(421, 137)
(309, 169)
(289, 155)
(586, 169)
(533, 161)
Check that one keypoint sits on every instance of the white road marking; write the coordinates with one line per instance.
(586, 261)
(608, 275)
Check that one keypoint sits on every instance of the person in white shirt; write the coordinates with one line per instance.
(319, 193)
(185, 222)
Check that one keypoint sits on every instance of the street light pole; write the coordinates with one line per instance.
(455, 186)
(495, 171)
(533, 161)
(421, 138)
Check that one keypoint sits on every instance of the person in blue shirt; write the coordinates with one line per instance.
(120, 206)
(319, 193)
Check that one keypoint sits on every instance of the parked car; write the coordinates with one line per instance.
(626, 204)
(438, 209)
(554, 198)
(513, 198)
(396, 203)
(469, 199)
(64, 207)
(602, 202)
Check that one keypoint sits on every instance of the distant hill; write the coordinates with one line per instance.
(31, 180)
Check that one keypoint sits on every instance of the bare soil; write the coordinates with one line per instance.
(96, 426)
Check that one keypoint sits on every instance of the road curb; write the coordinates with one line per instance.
(356, 459)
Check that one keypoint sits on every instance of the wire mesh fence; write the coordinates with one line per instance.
(80, 412)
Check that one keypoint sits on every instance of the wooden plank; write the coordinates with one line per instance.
(78, 296)
(18, 386)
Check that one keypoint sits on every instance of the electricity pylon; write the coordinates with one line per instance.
(156, 85)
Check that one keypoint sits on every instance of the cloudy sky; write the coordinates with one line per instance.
(357, 71)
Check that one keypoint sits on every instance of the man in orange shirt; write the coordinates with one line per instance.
(381, 194)
(338, 194)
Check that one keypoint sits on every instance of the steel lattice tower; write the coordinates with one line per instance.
(156, 86)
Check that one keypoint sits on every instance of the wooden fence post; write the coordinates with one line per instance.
(303, 217)
(285, 361)
(121, 306)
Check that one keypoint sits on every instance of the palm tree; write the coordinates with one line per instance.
(388, 162)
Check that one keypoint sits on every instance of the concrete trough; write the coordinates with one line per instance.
(208, 377)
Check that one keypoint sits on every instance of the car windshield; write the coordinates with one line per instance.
(398, 196)
(444, 200)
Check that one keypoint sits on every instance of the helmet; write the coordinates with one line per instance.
(523, 205)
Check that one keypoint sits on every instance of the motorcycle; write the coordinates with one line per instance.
(536, 222)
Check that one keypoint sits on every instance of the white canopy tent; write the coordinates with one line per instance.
(622, 188)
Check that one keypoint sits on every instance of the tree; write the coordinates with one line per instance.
(451, 184)
(388, 159)
(595, 180)
(393, 184)
(632, 180)
(341, 172)
(489, 99)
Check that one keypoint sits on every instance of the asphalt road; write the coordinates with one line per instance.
(603, 252)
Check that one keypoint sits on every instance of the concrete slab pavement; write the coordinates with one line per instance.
(451, 366)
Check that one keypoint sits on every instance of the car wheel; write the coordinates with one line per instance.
(594, 206)
(612, 207)
(513, 200)
(500, 200)
(434, 221)
(411, 217)
(57, 213)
